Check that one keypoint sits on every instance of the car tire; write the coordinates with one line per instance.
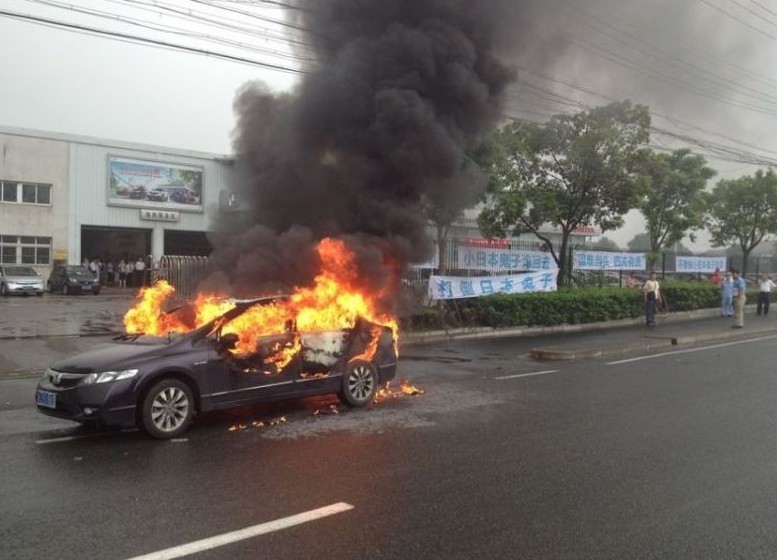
(96, 292)
(360, 383)
(3, 290)
(167, 409)
(49, 288)
(38, 294)
(65, 290)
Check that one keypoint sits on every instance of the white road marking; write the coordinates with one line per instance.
(247, 533)
(86, 436)
(516, 376)
(688, 350)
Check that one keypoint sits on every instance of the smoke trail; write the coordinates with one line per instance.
(377, 130)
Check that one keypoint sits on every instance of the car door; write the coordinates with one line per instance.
(241, 380)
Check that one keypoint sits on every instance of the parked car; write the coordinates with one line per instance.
(72, 279)
(157, 195)
(182, 195)
(159, 383)
(20, 279)
(138, 192)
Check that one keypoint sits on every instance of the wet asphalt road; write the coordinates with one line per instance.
(671, 457)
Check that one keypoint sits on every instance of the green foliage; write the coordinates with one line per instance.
(605, 244)
(674, 200)
(743, 211)
(567, 306)
(574, 170)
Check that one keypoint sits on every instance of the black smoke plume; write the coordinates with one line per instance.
(378, 129)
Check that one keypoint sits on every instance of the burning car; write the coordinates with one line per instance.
(158, 382)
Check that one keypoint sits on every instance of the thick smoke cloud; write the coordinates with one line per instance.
(380, 127)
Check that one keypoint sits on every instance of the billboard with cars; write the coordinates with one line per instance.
(138, 183)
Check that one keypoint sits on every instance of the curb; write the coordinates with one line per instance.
(494, 333)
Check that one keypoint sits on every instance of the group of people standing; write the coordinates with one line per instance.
(733, 294)
(121, 273)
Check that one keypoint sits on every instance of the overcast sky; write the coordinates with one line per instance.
(705, 68)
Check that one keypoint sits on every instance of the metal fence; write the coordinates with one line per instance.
(185, 273)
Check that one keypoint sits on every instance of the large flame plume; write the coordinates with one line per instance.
(335, 301)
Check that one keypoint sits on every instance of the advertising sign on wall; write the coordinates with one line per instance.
(456, 287)
(148, 184)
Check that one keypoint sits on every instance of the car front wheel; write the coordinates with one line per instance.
(65, 289)
(360, 383)
(3, 290)
(167, 409)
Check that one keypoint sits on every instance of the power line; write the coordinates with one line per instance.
(144, 40)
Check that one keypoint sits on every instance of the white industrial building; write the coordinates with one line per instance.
(65, 198)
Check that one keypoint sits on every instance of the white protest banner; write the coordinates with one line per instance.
(700, 264)
(455, 287)
(486, 258)
(602, 260)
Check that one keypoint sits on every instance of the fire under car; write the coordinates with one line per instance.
(159, 383)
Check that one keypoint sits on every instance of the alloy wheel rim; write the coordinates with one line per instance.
(169, 409)
(361, 383)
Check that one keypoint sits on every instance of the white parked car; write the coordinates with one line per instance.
(20, 279)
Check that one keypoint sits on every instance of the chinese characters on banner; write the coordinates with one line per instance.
(455, 287)
(483, 258)
(600, 260)
(700, 264)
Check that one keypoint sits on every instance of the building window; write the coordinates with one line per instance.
(16, 249)
(31, 193)
(9, 192)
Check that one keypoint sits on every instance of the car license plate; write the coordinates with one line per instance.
(45, 398)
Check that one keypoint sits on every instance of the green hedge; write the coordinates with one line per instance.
(570, 306)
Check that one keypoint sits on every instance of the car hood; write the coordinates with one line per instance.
(109, 356)
(23, 279)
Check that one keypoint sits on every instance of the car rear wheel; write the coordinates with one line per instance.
(360, 383)
(167, 410)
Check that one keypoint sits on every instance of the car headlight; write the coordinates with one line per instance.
(107, 376)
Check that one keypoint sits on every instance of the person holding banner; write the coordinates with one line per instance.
(739, 300)
(652, 294)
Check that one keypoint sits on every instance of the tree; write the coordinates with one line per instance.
(674, 200)
(640, 243)
(605, 244)
(743, 211)
(572, 171)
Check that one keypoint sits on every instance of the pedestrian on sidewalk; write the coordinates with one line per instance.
(727, 296)
(739, 300)
(652, 295)
(765, 287)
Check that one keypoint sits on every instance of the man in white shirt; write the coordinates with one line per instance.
(765, 287)
(652, 295)
(140, 272)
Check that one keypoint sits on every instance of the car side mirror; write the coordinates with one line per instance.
(229, 341)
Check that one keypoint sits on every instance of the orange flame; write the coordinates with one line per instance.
(335, 301)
